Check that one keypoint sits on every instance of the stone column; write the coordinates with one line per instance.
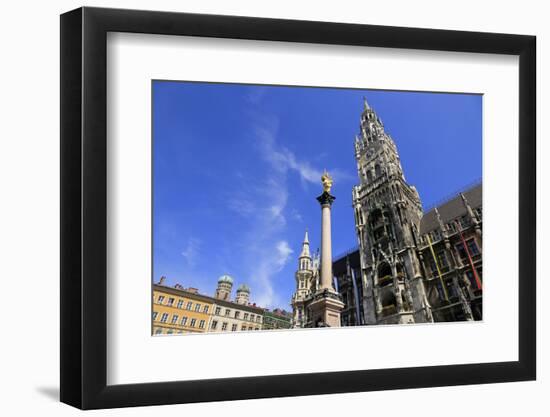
(327, 305)
(326, 201)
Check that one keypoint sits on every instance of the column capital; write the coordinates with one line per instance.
(326, 199)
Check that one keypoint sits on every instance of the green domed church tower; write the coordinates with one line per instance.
(243, 294)
(225, 285)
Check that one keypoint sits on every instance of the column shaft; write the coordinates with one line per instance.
(326, 248)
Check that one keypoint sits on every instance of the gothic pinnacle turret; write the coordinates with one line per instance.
(375, 150)
(305, 247)
(304, 261)
(371, 127)
(365, 103)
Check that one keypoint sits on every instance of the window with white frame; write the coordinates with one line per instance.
(472, 247)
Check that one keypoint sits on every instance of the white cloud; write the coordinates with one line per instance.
(280, 158)
(191, 251)
(241, 206)
(296, 215)
(256, 94)
(340, 176)
(303, 168)
(271, 261)
(265, 203)
(283, 159)
(283, 253)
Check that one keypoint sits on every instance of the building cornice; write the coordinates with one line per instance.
(202, 297)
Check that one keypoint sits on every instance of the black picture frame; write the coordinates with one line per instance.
(84, 207)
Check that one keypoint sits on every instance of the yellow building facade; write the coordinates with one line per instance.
(179, 310)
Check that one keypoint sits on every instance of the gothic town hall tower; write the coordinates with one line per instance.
(387, 217)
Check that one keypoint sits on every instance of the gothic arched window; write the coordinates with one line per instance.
(369, 176)
(387, 298)
(377, 170)
(384, 273)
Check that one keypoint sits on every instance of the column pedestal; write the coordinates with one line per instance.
(325, 309)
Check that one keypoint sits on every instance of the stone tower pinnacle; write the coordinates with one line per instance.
(305, 247)
(365, 103)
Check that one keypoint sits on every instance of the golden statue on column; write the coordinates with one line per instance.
(327, 181)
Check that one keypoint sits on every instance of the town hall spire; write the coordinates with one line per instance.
(387, 209)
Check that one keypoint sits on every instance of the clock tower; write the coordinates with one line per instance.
(387, 217)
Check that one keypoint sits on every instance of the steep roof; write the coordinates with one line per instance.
(451, 209)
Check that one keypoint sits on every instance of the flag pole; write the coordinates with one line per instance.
(474, 270)
(438, 269)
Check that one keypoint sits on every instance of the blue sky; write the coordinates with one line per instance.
(237, 169)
